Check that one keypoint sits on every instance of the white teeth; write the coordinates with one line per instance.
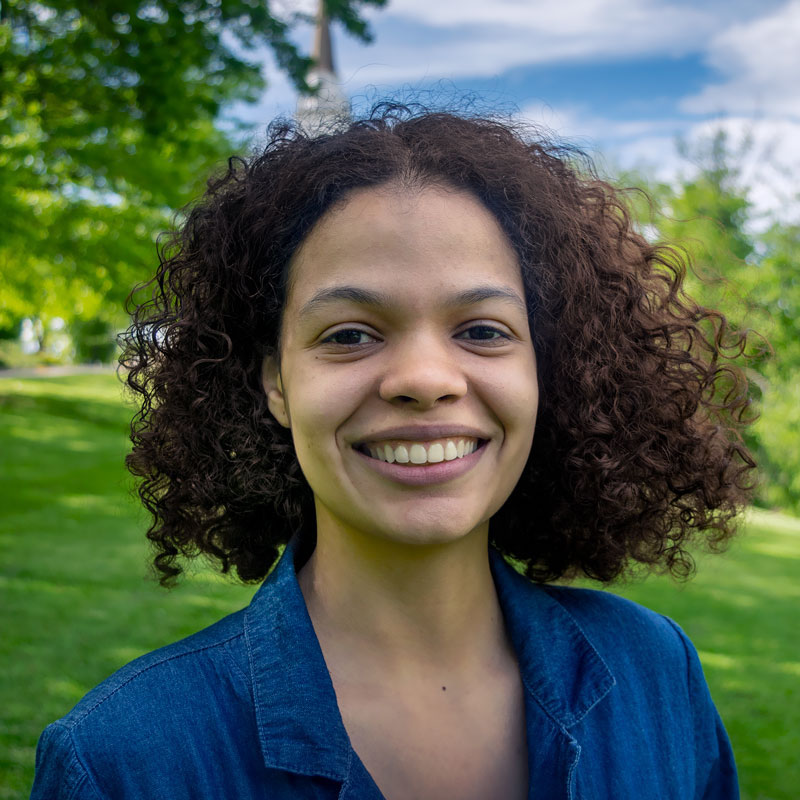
(435, 453)
(418, 453)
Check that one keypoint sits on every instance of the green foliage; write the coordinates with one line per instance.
(108, 123)
(707, 216)
(76, 605)
(778, 430)
(753, 277)
(94, 341)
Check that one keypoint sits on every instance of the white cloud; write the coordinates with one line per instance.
(769, 161)
(769, 149)
(761, 62)
(577, 18)
(477, 38)
(755, 47)
(452, 39)
(646, 144)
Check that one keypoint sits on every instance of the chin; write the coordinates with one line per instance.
(430, 533)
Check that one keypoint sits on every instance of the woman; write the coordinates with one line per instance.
(438, 360)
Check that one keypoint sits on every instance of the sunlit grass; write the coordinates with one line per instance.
(77, 603)
(741, 611)
(74, 588)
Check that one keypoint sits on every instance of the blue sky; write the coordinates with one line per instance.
(621, 78)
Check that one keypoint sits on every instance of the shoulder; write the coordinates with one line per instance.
(603, 628)
(610, 623)
(169, 673)
(630, 637)
(609, 614)
(135, 714)
(658, 675)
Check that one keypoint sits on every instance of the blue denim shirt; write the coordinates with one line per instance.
(615, 701)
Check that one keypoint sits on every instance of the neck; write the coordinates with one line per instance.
(404, 608)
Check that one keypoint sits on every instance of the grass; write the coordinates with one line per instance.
(77, 605)
(741, 613)
(75, 598)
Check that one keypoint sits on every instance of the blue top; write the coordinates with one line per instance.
(615, 701)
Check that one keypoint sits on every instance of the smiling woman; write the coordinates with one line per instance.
(369, 361)
(416, 352)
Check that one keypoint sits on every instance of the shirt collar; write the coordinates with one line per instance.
(299, 724)
(560, 667)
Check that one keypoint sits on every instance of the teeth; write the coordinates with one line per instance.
(435, 453)
(418, 453)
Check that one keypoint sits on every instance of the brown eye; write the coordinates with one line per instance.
(348, 336)
(483, 333)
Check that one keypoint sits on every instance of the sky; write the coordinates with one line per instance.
(622, 79)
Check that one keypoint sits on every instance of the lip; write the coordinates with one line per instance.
(424, 474)
(422, 433)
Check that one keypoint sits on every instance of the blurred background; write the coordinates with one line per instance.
(112, 116)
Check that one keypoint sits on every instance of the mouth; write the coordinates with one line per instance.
(421, 453)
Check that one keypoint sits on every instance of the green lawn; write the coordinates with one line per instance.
(76, 602)
(741, 612)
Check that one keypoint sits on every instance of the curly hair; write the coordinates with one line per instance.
(638, 444)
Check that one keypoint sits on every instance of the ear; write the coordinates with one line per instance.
(273, 388)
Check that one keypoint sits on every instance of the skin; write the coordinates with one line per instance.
(398, 587)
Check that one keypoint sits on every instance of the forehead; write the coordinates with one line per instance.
(411, 244)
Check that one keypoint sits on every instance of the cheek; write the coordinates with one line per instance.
(524, 393)
(514, 398)
(517, 407)
(321, 400)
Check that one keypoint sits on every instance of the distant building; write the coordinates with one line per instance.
(329, 105)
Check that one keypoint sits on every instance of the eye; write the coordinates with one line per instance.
(349, 337)
(483, 333)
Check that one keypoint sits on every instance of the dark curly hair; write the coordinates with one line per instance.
(637, 445)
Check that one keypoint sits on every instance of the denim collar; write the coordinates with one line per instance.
(560, 667)
(299, 724)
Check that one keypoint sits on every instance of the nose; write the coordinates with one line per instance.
(422, 371)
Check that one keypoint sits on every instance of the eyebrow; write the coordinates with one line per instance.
(366, 297)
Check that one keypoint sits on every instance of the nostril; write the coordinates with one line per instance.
(405, 399)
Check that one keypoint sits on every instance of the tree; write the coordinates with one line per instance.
(108, 123)
(777, 292)
(753, 276)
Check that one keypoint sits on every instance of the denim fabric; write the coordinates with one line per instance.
(616, 708)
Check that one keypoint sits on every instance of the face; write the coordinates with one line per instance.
(407, 372)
